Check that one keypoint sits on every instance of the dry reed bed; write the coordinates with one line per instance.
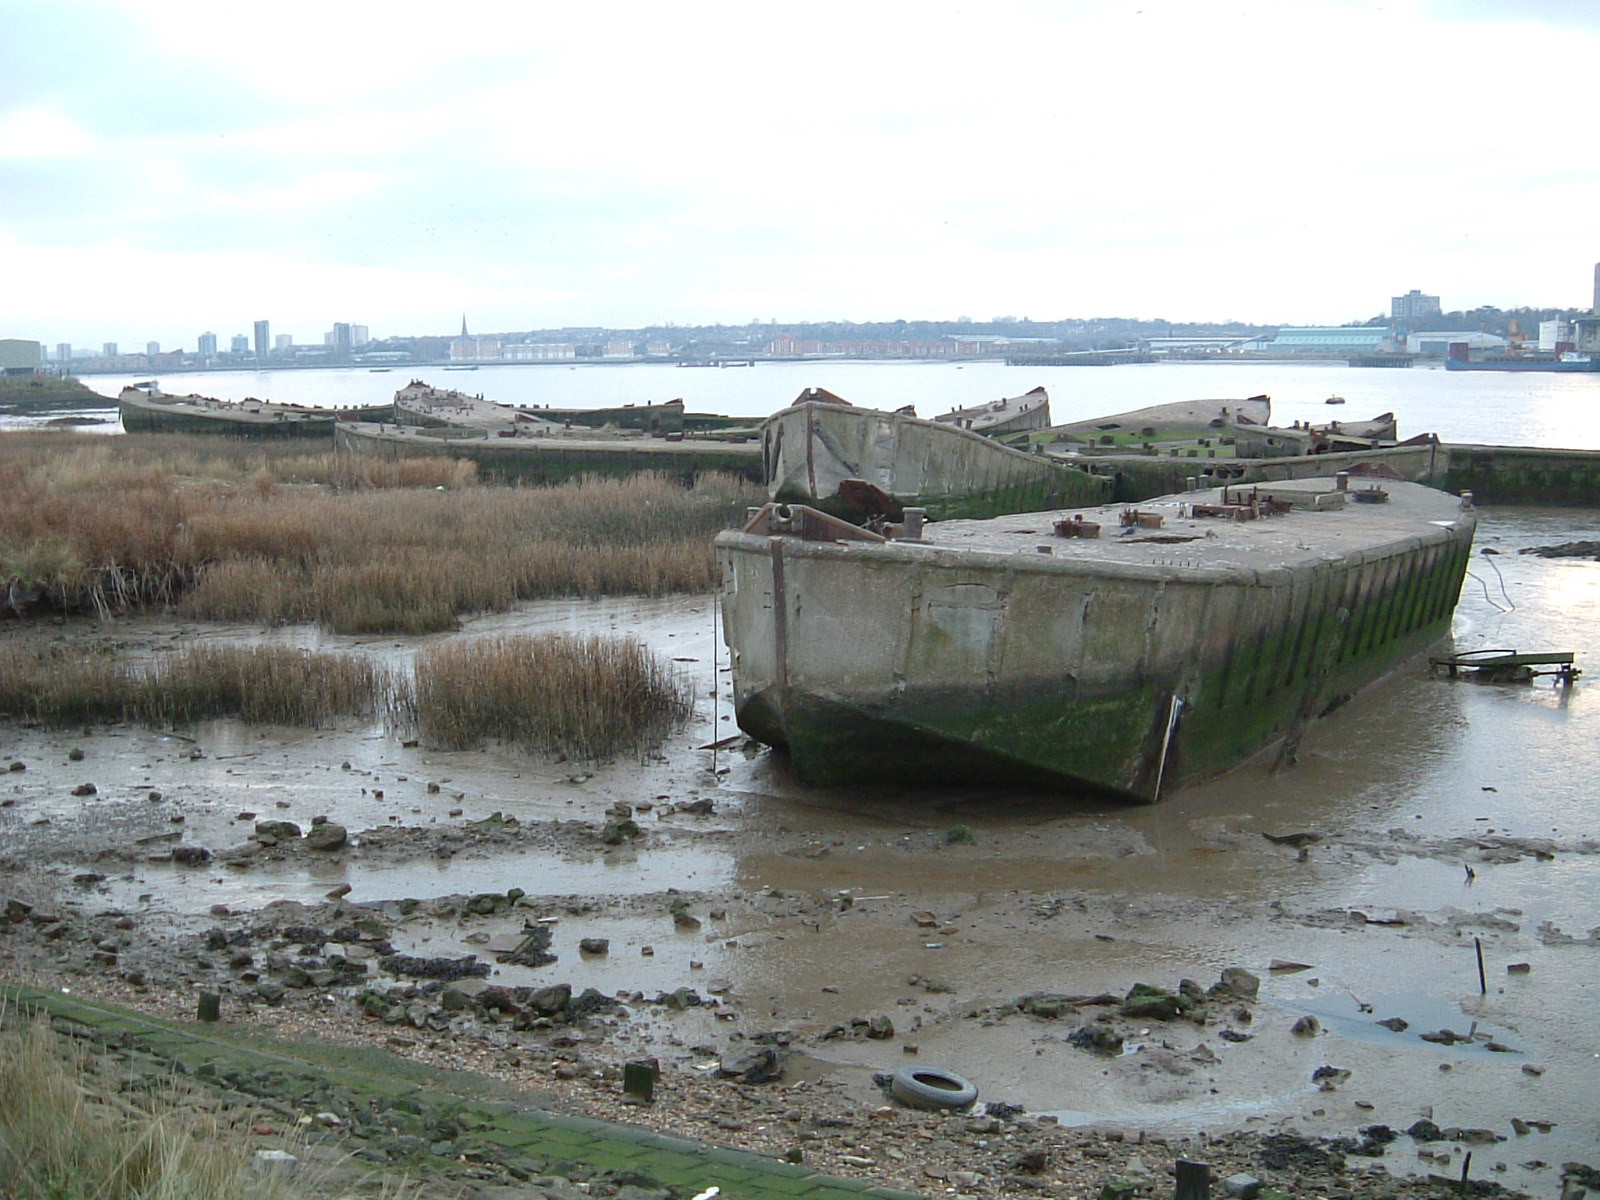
(152, 521)
(586, 698)
(71, 1126)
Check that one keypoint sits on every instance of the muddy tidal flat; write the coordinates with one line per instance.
(778, 949)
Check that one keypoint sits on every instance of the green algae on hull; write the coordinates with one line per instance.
(998, 653)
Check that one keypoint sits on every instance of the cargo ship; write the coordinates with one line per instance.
(1458, 358)
(1110, 650)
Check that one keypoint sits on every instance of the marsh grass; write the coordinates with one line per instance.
(588, 698)
(582, 697)
(69, 1129)
(257, 532)
(264, 684)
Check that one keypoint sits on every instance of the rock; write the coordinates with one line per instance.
(594, 945)
(550, 1001)
(1242, 1187)
(1306, 1026)
(274, 1162)
(1237, 982)
(1098, 1039)
(75, 754)
(85, 789)
(1048, 1005)
(1148, 1002)
(190, 856)
(327, 836)
(1396, 1024)
(533, 950)
(761, 1065)
(880, 1027)
(281, 831)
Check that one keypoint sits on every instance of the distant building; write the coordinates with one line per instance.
(1553, 334)
(359, 336)
(283, 343)
(240, 344)
(619, 350)
(1342, 339)
(338, 339)
(109, 349)
(19, 357)
(539, 351)
(1411, 306)
(1436, 345)
(152, 348)
(207, 346)
(64, 354)
(263, 331)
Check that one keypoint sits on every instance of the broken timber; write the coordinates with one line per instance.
(1508, 666)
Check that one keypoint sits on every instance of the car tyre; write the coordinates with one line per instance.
(927, 1087)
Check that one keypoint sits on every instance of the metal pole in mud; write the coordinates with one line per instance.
(1483, 984)
(716, 684)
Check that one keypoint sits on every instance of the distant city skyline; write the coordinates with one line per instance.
(711, 163)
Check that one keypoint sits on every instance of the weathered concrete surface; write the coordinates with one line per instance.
(996, 651)
(556, 459)
(1493, 474)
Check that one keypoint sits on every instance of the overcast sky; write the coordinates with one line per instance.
(169, 167)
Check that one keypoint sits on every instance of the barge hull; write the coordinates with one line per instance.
(904, 663)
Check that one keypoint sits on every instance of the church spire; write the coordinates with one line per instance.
(464, 325)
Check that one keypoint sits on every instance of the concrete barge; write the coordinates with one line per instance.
(516, 455)
(816, 444)
(1193, 632)
(144, 407)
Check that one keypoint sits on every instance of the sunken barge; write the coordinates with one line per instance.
(1110, 650)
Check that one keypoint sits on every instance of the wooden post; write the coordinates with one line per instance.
(1483, 984)
(209, 1008)
(639, 1080)
(1194, 1181)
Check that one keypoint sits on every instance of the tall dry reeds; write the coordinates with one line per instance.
(585, 698)
(581, 697)
(69, 1128)
(268, 534)
(266, 684)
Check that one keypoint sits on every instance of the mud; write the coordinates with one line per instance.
(1423, 821)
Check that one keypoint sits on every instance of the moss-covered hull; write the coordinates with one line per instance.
(810, 448)
(900, 662)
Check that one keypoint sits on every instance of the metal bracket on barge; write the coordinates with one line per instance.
(1508, 666)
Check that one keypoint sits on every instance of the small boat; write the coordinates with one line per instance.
(1033, 651)
(1334, 400)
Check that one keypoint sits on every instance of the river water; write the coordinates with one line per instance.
(1488, 407)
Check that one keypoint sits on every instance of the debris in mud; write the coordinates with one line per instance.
(1097, 1039)
(1578, 549)
(433, 968)
(533, 950)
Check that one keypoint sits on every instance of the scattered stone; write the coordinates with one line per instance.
(1395, 1024)
(1306, 1026)
(85, 789)
(326, 836)
(1148, 1002)
(594, 945)
(1098, 1039)
(762, 1065)
(1242, 1187)
(75, 754)
(191, 856)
